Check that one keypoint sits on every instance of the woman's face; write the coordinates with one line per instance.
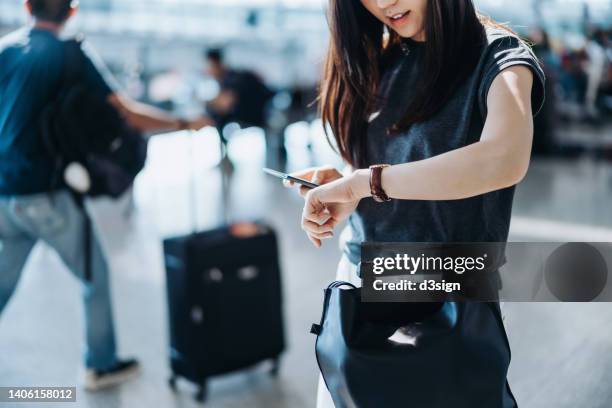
(405, 17)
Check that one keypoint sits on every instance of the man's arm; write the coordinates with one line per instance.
(148, 118)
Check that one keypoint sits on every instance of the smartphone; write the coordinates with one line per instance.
(285, 176)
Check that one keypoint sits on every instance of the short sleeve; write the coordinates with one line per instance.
(95, 74)
(506, 51)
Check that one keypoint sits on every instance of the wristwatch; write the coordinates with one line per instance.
(182, 124)
(378, 193)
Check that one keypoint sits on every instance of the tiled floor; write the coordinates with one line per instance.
(561, 353)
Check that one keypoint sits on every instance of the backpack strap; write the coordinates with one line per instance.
(73, 62)
(71, 72)
(88, 239)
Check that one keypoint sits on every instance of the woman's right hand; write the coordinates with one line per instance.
(335, 213)
(317, 175)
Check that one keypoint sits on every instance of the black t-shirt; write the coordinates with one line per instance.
(484, 218)
(31, 72)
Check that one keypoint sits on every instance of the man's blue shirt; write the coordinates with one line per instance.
(31, 66)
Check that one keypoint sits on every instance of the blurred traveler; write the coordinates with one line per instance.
(607, 85)
(573, 79)
(595, 71)
(544, 123)
(435, 121)
(242, 97)
(32, 207)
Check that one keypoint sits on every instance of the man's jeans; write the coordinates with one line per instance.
(59, 222)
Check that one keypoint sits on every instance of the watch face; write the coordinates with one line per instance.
(380, 199)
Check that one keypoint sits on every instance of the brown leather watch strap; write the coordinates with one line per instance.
(378, 193)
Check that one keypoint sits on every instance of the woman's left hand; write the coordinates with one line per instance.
(330, 204)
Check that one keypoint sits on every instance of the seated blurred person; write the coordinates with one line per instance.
(242, 97)
(32, 208)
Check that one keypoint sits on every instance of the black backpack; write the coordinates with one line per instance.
(253, 98)
(82, 127)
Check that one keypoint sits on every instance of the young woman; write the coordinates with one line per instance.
(442, 98)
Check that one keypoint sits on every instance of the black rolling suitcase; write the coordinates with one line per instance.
(224, 297)
(224, 300)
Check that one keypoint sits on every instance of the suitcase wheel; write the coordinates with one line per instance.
(201, 393)
(172, 383)
(274, 370)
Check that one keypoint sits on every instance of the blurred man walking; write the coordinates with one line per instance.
(32, 208)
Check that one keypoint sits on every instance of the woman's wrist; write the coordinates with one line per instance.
(361, 183)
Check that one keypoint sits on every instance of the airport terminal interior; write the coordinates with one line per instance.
(186, 186)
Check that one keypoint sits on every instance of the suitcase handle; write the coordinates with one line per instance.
(193, 187)
(246, 273)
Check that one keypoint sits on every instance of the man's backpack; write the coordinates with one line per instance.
(83, 130)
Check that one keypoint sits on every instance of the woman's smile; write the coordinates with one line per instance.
(405, 17)
(399, 19)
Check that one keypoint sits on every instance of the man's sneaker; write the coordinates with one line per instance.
(120, 372)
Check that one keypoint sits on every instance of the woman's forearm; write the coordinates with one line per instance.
(472, 170)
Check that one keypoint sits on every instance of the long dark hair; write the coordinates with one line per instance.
(358, 49)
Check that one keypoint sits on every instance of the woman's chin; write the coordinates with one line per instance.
(407, 32)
